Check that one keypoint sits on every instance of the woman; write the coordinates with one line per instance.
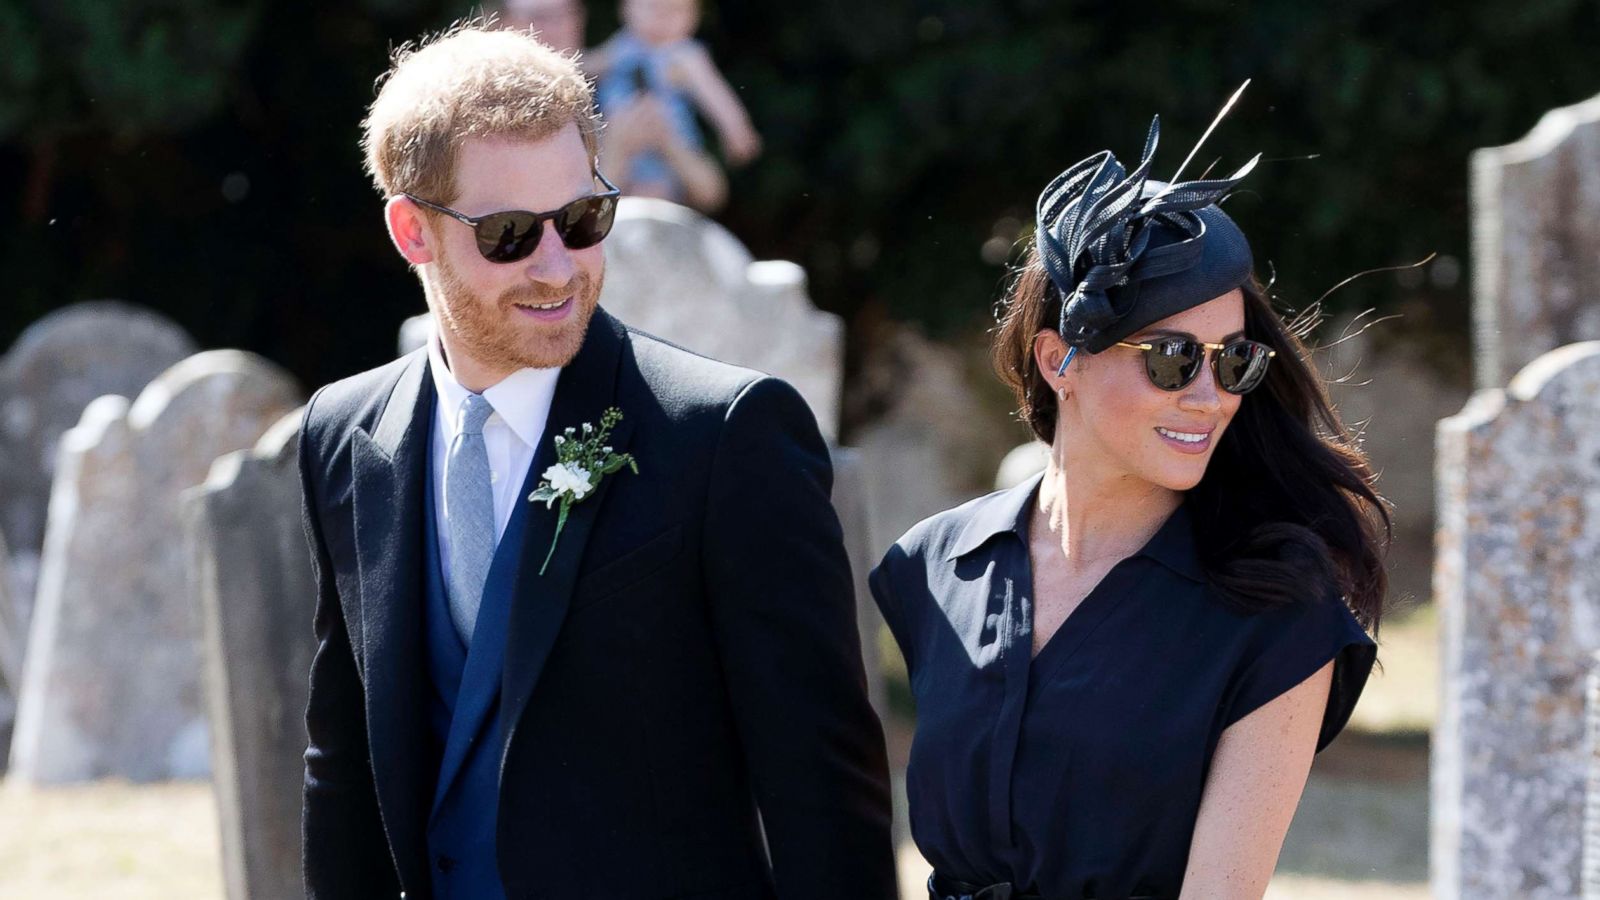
(1124, 666)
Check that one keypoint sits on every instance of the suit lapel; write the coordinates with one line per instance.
(389, 467)
(587, 387)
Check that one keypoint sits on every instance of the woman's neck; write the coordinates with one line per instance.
(1095, 516)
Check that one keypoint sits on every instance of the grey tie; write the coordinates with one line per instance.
(469, 507)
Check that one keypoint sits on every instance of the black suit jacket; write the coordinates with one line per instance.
(689, 658)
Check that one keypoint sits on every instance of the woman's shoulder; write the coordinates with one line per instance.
(916, 583)
(948, 534)
(1321, 607)
(1290, 643)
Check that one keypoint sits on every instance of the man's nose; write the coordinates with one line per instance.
(551, 262)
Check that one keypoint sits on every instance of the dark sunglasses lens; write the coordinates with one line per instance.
(586, 222)
(508, 236)
(1173, 363)
(1241, 366)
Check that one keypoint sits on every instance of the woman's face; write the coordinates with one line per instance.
(1116, 422)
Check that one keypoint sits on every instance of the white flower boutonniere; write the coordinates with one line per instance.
(582, 462)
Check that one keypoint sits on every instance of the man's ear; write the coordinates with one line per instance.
(409, 230)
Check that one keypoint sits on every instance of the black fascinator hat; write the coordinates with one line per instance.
(1124, 251)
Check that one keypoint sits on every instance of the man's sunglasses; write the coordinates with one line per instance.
(1173, 363)
(513, 235)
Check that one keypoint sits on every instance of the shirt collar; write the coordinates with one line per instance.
(521, 400)
(1007, 512)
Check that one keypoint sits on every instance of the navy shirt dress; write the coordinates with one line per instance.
(1078, 773)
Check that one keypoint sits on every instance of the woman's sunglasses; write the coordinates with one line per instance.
(1173, 363)
(513, 235)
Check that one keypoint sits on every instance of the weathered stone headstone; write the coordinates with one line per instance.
(1536, 242)
(935, 438)
(54, 369)
(10, 634)
(673, 273)
(414, 333)
(1519, 604)
(1591, 807)
(253, 582)
(678, 275)
(10, 652)
(1022, 462)
(853, 502)
(111, 682)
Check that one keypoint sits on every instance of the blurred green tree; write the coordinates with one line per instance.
(203, 155)
(912, 136)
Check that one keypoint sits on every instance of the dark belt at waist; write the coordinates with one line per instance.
(942, 888)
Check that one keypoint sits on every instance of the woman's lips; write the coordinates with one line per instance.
(1190, 446)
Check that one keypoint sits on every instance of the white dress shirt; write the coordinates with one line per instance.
(521, 408)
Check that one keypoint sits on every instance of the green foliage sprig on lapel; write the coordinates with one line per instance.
(584, 458)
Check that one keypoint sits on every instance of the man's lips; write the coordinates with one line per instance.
(547, 311)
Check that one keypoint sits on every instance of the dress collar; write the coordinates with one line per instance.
(1008, 511)
(1003, 512)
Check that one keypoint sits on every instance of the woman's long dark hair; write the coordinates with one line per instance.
(1287, 501)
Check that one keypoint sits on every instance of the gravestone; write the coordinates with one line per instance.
(1536, 242)
(53, 370)
(10, 652)
(414, 333)
(676, 274)
(111, 683)
(939, 429)
(673, 273)
(1021, 463)
(1519, 606)
(853, 501)
(10, 634)
(254, 587)
(1591, 808)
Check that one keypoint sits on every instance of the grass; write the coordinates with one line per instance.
(1361, 831)
(109, 839)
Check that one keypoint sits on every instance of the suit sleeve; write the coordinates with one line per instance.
(344, 851)
(783, 609)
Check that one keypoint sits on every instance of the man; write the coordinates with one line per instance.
(650, 689)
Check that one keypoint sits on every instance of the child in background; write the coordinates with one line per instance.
(655, 55)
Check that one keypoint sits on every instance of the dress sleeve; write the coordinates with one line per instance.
(881, 582)
(1292, 644)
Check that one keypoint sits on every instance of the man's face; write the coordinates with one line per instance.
(496, 318)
